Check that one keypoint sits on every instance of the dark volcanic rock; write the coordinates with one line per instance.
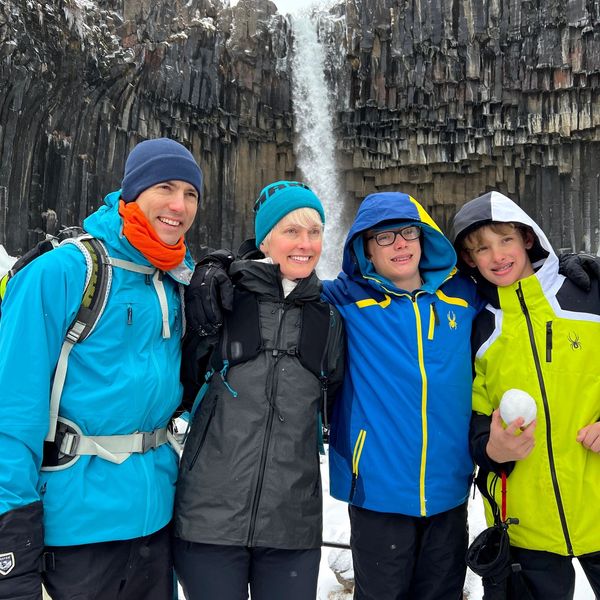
(451, 98)
(444, 99)
(82, 82)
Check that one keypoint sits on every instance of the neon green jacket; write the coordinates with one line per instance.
(542, 335)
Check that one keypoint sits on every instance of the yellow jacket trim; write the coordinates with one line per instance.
(449, 300)
(358, 446)
(372, 302)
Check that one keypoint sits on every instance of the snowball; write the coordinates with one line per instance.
(515, 404)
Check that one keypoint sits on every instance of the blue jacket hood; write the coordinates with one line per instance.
(438, 257)
(106, 224)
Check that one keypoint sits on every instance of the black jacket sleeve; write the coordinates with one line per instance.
(195, 357)
(21, 546)
(336, 361)
(479, 434)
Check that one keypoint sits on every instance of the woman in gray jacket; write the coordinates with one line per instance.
(248, 509)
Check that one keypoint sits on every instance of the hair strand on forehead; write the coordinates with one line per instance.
(475, 237)
(302, 217)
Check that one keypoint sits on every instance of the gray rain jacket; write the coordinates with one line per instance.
(250, 473)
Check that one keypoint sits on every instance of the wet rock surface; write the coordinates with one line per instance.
(447, 99)
(444, 99)
(82, 82)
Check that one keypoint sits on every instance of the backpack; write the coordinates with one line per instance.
(95, 294)
(65, 442)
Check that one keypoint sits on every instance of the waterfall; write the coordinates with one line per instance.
(315, 142)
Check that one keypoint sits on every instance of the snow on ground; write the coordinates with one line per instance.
(336, 528)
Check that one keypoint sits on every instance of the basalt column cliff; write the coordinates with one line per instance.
(82, 82)
(447, 99)
(444, 99)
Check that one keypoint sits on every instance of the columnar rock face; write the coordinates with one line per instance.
(446, 99)
(82, 82)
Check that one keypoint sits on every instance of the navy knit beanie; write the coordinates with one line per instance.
(155, 161)
(277, 200)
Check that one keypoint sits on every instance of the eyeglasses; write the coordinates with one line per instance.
(275, 188)
(387, 238)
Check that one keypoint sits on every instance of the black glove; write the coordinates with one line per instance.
(580, 269)
(21, 546)
(209, 293)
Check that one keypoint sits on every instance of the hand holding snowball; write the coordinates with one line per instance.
(504, 445)
(517, 403)
(589, 436)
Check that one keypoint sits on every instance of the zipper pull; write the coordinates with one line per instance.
(436, 317)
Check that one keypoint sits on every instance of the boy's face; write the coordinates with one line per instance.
(500, 257)
(398, 261)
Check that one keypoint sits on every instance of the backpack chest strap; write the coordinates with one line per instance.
(71, 443)
(114, 448)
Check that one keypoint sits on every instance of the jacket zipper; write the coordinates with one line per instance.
(267, 437)
(538, 368)
(324, 379)
(549, 341)
(420, 358)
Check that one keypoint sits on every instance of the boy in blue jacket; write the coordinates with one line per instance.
(399, 452)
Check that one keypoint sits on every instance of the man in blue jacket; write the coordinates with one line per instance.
(91, 516)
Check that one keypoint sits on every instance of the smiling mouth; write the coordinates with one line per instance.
(301, 259)
(169, 222)
(503, 269)
(402, 259)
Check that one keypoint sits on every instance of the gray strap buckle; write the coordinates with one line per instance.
(149, 440)
(69, 444)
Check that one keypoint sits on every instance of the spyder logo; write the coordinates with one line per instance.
(574, 341)
(451, 316)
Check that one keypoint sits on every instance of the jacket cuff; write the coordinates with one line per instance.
(479, 435)
(21, 546)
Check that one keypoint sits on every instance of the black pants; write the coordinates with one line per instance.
(397, 557)
(212, 572)
(550, 576)
(138, 569)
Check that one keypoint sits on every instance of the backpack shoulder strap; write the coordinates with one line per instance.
(98, 280)
(314, 337)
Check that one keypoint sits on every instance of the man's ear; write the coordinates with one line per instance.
(263, 248)
(466, 256)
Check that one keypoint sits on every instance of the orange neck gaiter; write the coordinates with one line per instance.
(142, 236)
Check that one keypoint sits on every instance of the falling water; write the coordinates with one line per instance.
(315, 141)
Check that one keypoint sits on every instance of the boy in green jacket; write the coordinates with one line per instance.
(541, 334)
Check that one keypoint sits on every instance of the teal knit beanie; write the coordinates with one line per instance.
(277, 200)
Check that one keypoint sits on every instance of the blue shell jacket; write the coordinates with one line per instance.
(123, 378)
(399, 434)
